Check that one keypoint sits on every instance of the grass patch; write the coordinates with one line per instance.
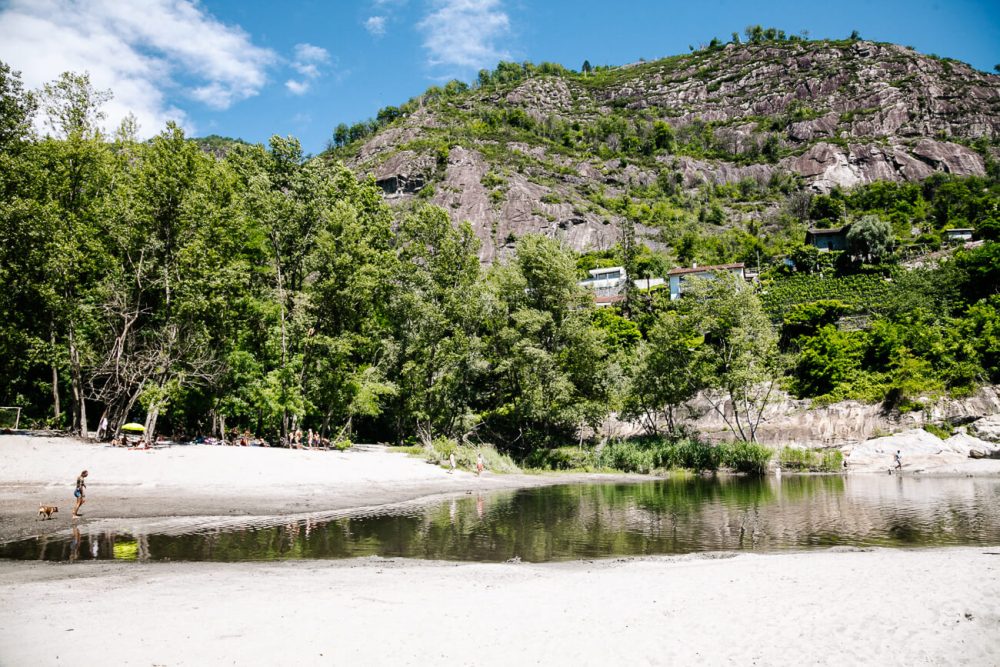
(943, 431)
(810, 460)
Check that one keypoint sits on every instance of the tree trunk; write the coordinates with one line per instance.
(80, 405)
(154, 413)
(56, 411)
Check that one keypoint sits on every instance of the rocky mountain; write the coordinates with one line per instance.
(545, 150)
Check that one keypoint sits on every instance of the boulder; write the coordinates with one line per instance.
(987, 428)
(973, 447)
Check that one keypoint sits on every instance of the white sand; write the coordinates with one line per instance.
(878, 607)
(829, 608)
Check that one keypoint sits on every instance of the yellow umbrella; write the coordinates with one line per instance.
(133, 427)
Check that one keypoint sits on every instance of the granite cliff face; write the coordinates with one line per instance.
(822, 114)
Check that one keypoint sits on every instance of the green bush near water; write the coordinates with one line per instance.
(745, 457)
(465, 455)
(810, 460)
(650, 454)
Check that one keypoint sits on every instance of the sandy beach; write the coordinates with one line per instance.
(829, 608)
(840, 606)
(217, 481)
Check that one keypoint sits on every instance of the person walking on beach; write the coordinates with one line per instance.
(479, 464)
(451, 460)
(81, 484)
(899, 459)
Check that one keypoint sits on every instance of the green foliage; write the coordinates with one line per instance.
(805, 319)
(810, 460)
(862, 292)
(870, 238)
(646, 455)
(745, 457)
(943, 431)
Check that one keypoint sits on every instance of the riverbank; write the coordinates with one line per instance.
(222, 482)
(934, 606)
(134, 489)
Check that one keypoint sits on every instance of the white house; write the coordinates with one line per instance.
(678, 276)
(608, 284)
(958, 235)
(606, 281)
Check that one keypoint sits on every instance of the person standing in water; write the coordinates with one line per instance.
(81, 484)
(479, 464)
(899, 460)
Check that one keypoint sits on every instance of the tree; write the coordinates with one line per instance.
(73, 106)
(743, 350)
(341, 134)
(587, 69)
(17, 109)
(549, 373)
(671, 369)
(870, 238)
(855, 36)
(435, 314)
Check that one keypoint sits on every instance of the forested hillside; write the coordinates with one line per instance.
(206, 285)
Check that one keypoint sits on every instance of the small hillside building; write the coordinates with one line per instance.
(958, 235)
(606, 281)
(828, 239)
(678, 276)
(608, 284)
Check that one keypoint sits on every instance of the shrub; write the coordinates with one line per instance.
(811, 460)
(644, 455)
(746, 457)
(562, 458)
(943, 431)
(441, 449)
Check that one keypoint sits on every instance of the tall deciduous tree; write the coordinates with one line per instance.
(743, 350)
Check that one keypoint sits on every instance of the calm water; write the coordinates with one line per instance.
(586, 521)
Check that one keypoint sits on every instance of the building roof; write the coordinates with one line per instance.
(606, 269)
(615, 298)
(960, 230)
(704, 269)
(828, 232)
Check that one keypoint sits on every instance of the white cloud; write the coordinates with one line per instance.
(307, 62)
(463, 33)
(375, 25)
(137, 49)
(308, 53)
(297, 87)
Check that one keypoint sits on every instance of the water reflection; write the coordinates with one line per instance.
(593, 521)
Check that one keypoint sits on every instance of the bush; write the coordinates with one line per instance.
(811, 460)
(627, 456)
(562, 458)
(746, 457)
(944, 431)
(440, 449)
(644, 455)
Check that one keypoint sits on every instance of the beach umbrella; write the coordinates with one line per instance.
(134, 428)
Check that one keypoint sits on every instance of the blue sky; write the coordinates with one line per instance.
(253, 68)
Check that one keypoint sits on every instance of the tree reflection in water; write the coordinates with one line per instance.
(594, 521)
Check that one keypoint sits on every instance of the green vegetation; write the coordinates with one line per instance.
(210, 284)
(810, 460)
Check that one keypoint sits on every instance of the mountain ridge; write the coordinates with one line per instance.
(541, 149)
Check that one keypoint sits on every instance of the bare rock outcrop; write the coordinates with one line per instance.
(789, 421)
(825, 165)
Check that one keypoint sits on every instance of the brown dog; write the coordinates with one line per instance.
(46, 511)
